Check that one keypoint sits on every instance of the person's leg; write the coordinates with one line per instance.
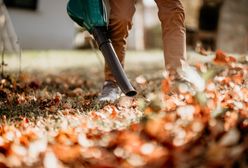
(171, 15)
(120, 22)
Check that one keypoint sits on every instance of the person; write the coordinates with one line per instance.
(171, 15)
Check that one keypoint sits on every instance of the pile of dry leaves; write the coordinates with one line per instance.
(194, 121)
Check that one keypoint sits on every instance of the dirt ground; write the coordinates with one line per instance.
(50, 116)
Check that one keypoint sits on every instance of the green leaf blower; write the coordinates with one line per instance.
(92, 15)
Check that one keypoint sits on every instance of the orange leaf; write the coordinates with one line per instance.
(113, 113)
(221, 57)
(165, 86)
(67, 153)
(189, 98)
(238, 78)
(148, 110)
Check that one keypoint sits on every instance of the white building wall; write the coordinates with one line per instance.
(49, 27)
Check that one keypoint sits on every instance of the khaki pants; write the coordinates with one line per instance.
(171, 15)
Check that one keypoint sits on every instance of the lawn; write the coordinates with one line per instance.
(50, 116)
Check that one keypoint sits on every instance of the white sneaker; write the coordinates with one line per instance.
(110, 92)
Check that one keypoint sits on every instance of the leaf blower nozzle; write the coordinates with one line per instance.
(92, 15)
(105, 45)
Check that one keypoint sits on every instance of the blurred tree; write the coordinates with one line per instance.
(153, 37)
(233, 27)
(139, 26)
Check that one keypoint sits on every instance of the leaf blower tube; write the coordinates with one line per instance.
(100, 34)
(92, 15)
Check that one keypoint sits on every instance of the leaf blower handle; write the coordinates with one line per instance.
(101, 36)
